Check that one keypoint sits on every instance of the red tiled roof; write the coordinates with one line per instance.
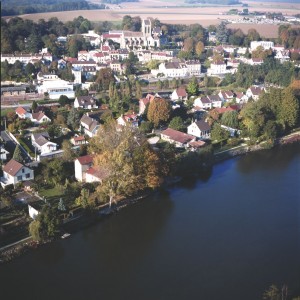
(177, 136)
(181, 92)
(12, 167)
(79, 138)
(197, 144)
(85, 160)
(97, 172)
(20, 110)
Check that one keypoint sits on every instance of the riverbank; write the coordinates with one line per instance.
(84, 221)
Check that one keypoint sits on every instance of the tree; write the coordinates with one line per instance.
(68, 153)
(272, 293)
(222, 33)
(192, 87)
(128, 161)
(218, 133)
(177, 124)
(83, 199)
(146, 127)
(18, 154)
(34, 106)
(188, 45)
(153, 64)
(54, 130)
(289, 109)
(73, 118)
(159, 111)
(104, 77)
(63, 100)
(199, 48)
(61, 205)
(46, 224)
(159, 84)
(138, 90)
(230, 119)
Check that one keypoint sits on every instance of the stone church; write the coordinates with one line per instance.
(148, 37)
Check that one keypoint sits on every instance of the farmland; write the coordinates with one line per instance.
(167, 12)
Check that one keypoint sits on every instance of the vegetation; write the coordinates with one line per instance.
(14, 7)
(159, 111)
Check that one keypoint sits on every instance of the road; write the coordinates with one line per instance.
(10, 145)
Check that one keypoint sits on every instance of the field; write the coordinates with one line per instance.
(168, 12)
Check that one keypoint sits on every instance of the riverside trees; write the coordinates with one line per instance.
(127, 161)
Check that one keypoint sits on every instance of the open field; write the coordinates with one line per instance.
(167, 12)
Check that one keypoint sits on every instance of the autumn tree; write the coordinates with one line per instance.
(199, 48)
(126, 159)
(159, 111)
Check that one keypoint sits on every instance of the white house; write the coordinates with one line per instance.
(42, 144)
(89, 125)
(240, 97)
(22, 113)
(215, 100)
(86, 102)
(265, 44)
(14, 172)
(33, 211)
(129, 118)
(283, 55)
(226, 95)
(217, 68)
(254, 92)
(95, 174)
(200, 129)
(39, 118)
(179, 94)
(3, 153)
(82, 164)
(202, 103)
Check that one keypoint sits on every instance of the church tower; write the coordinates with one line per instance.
(146, 27)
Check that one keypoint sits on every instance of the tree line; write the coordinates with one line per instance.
(12, 8)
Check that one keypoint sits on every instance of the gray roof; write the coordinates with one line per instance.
(203, 126)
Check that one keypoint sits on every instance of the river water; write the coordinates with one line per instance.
(229, 235)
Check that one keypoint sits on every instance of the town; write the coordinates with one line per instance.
(94, 115)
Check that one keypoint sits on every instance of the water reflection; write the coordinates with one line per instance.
(277, 159)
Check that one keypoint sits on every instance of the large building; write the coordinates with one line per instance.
(147, 37)
(265, 44)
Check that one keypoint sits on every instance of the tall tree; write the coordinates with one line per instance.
(192, 87)
(18, 154)
(159, 111)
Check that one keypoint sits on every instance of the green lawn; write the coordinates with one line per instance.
(51, 193)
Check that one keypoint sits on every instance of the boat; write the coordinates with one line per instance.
(66, 235)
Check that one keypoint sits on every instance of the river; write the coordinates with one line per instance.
(227, 235)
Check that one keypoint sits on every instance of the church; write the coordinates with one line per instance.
(148, 37)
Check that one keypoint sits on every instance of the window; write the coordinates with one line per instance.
(19, 178)
(23, 170)
(27, 175)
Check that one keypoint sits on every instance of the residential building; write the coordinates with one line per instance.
(86, 102)
(143, 102)
(23, 113)
(217, 68)
(254, 92)
(226, 96)
(82, 164)
(14, 172)
(3, 153)
(79, 140)
(39, 118)
(41, 142)
(129, 118)
(89, 125)
(178, 138)
(265, 44)
(179, 94)
(200, 129)
(240, 98)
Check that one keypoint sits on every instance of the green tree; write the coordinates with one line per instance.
(219, 134)
(83, 199)
(230, 119)
(68, 153)
(192, 87)
(146, 127)
(159, 111)
(138, 90)
(63, 100)
(18, 154)
(73, 118)
(177, 124)
(46, 224)
(34, 106)
(61, 205)
(152, 64)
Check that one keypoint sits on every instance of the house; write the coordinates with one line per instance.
(143, 102)
(178, 138)
(14, 172)
(33, 210)
(256, 61)
(179, 94)
(82, 164)
(254, 92)
(200, 129)
(226, 95)
(86, 102)
(240, 97)
(79, 140)
(22, 113)
(283, 55)
(95, 174)
(89, 125)
(42, 144)
(202, 103)
(129, 118)
(195, 145)
(232, 131)
(265, 44)
(3, 153)
(216, 68)
(215, 100)
(39, 118)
